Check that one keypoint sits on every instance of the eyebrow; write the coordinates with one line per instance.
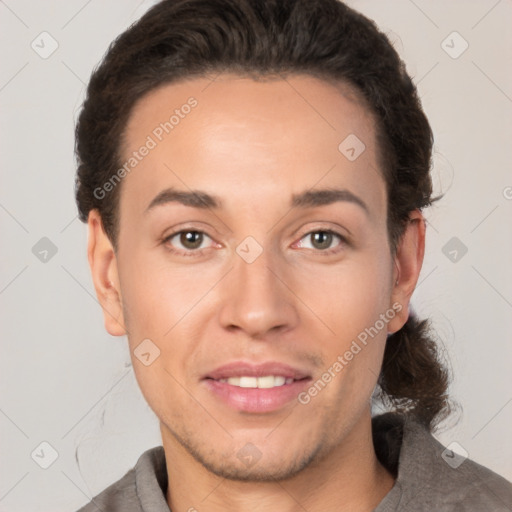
(307, 199)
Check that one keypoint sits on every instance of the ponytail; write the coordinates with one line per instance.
(413, 379)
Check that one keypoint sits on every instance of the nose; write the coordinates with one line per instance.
(257, 297)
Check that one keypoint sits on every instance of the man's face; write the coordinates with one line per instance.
(255, 291)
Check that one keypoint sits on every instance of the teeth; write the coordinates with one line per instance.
(279, 381)
(266, 382)
(269, 381)
(248, 382)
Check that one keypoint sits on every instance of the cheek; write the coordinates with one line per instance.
(159, 314)
(167, 305)
(352, 297)
(157, 295)
(351, 301)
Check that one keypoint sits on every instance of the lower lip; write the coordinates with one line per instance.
(257, 400)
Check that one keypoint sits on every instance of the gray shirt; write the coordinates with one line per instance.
(429, 477)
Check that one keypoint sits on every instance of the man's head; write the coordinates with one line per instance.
(256, 126)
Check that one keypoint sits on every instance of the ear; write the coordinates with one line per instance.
(408, 261)
(103, 265)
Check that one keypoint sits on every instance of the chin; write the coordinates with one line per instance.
(250, 463)
(257, 471)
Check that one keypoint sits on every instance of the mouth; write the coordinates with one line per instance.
(260, 388)
(265, 382)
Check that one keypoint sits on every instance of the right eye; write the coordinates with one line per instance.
(191, 241)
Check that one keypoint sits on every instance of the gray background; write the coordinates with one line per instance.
(66, 382)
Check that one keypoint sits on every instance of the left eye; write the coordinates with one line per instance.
(321, 239)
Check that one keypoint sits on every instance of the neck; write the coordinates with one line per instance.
(349, 478)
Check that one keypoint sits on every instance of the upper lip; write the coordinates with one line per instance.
(241, 368)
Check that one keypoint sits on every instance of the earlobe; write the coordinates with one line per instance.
(103, 265)
(408, 262)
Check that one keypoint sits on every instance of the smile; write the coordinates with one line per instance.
(256, 388)
(265, 382)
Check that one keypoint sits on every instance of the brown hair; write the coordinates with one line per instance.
(178, 39)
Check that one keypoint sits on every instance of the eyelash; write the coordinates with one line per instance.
(199, 252)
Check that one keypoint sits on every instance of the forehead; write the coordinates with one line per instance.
(248, 139)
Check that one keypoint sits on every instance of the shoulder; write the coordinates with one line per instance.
(468, 486)
(121, 495)
(432, 477)
(142, 483)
